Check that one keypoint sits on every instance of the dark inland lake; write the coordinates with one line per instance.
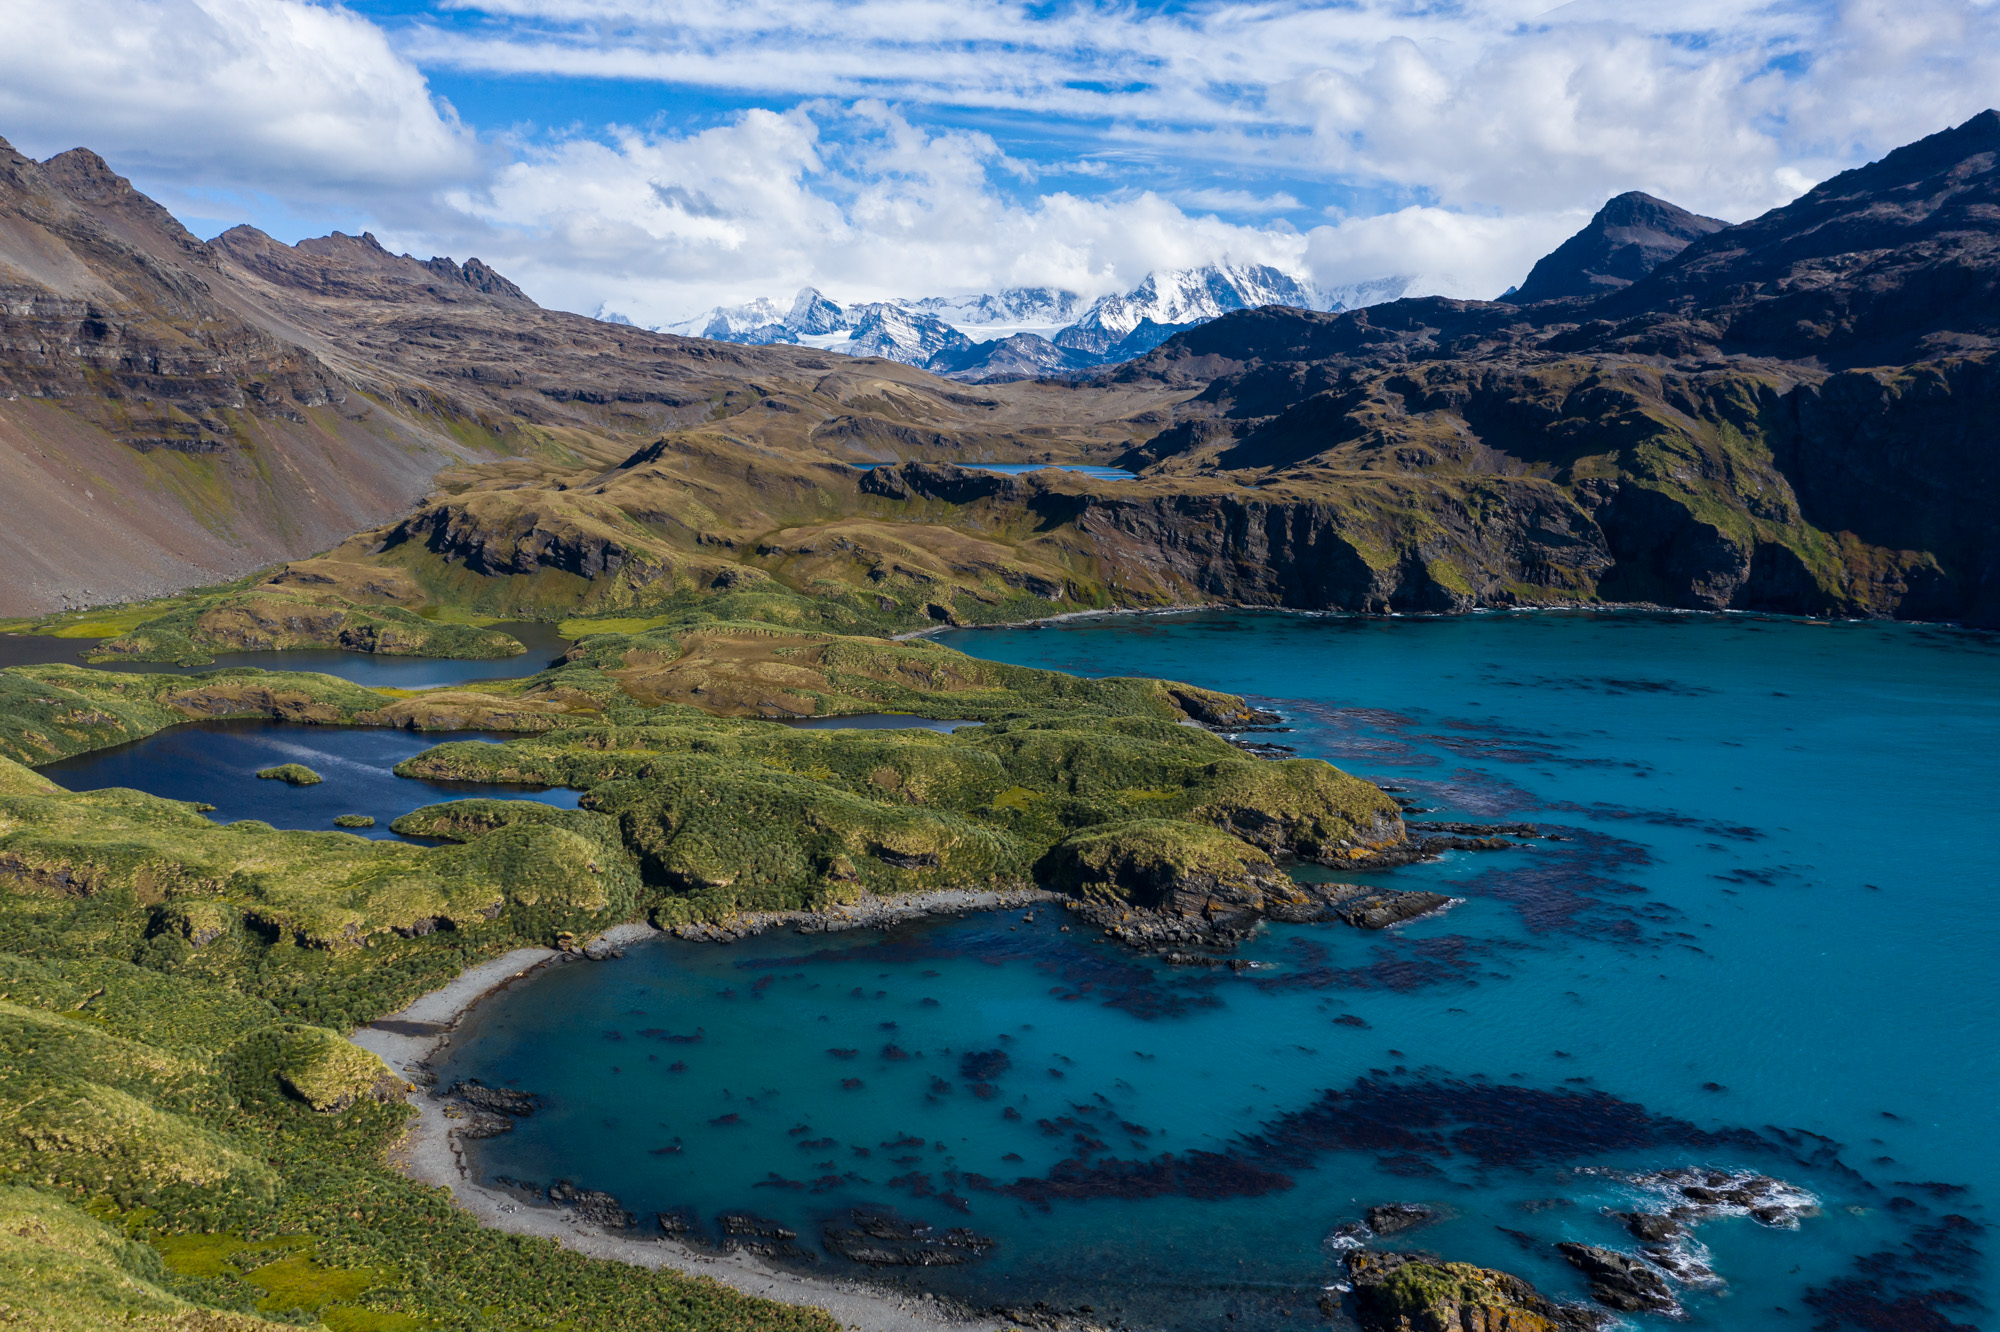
(1766, 947)
(377, 670)
(217, 763)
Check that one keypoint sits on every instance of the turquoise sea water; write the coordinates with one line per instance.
(1768, 945)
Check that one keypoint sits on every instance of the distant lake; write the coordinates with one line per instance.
(545, 647)
(1020, 469)
(217, 763)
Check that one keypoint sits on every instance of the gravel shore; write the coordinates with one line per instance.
(430, 1153)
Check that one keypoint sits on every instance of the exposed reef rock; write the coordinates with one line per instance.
(760, 1235)
(880, 1240)
(479, 1111)
(592, 1205)
(1416, 1292)
(1619, 1280)
(1394, 1218)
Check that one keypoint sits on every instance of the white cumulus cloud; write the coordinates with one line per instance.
(656, 224)
(271, 95)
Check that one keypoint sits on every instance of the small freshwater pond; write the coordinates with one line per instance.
(1765, 946)
(217, 763)
(545, 648)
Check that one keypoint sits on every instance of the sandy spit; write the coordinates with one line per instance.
(429, 1153)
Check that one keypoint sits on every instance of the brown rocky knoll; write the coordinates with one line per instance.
(1788, 415)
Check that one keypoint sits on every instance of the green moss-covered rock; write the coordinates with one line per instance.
(1302, 807)
(1404, 1292)
(272, 618)
(197, 920)
(733, 837)
(1165, 865)
(293, 774)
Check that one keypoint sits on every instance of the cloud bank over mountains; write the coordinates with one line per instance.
(661, 158)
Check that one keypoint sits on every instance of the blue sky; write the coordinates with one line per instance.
(659, 156)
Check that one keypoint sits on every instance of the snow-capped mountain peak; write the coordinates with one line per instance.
(1176, 298)
(1023, 330)
(812, 313)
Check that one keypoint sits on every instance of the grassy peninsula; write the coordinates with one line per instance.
(190, 1140)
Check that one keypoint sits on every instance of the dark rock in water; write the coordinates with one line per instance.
(1420, 1292)
(600, 1209)
(1544, 1204)
(760, 1235)
(1045, 1317)
(1702, 1193)
(1350, 1234)
(983, 1065)
(882, 1240)
(676, 1224)
(494, 1100)
(481, 1124)
(1618, 1280)
(1476, 829)
(1393, 1218)
(1652, 1227)
(1379, 910)
(1169, 914)
(1416, 848)
(747, 1225)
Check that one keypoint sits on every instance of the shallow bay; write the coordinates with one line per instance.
(1773, 918)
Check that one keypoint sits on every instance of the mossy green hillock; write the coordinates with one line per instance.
(292, 774)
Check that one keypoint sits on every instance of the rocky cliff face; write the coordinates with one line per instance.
(1694, 448)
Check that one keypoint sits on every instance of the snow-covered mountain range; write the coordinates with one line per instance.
(1022, 332)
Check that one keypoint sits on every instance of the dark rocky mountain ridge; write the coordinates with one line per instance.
(1628, 238)
(1794, 413)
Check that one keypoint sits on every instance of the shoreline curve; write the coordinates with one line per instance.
(429, 1152)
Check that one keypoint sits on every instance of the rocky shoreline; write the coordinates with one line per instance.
(867, 913)
(1193, 917)
(430, 1153)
